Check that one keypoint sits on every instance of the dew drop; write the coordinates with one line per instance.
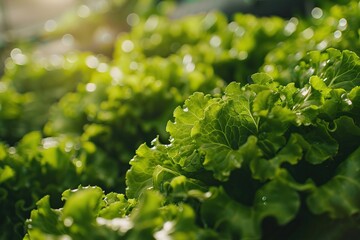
(84, 11)
(264, 200)
(92, 62)
(151, 23)
(209, 20)
(345, 98)
(127, 46)
(116, 74)
(49, 143)
(308, 33)
(290, 28)
(190, 67)
(342, 24)
(322, 45)
(233, 52)
(243, 55)
(317, 13)
(18, 57)
(215, 41)
(233, 26)
(207, 194)
(67, 40)
(187, 59)
(240, 31)
(15, 52)
(269, 68)
(337, 34)
(65, 237)
(90, 87)
(50, 25)
(133, 19)
(12, 150)
(103, 67)
(78, 164)
(69, 146)
(68, 222)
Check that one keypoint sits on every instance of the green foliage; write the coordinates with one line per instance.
(261, 161)
(107, 216)
(336, 26)
(262, 150)
(39, 166)
(234, 50)
(127, 101)
(270, 156)
(30, 86)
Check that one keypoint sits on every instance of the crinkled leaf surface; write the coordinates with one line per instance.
(238, 221)
(222, 139)
(340, 196)
(183, 148)
(224, 134)
(143, 165)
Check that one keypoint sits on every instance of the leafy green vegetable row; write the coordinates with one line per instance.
(261, 151)
(336, 27)
(109, 108)
(31, 86)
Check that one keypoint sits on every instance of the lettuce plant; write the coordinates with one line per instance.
(38, 166)
(274, 155)
(127, 101)
(106, 109)
(269, 156)
(265, 160)
(336, 26)
(31, 85)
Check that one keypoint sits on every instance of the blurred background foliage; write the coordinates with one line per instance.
(58, 26)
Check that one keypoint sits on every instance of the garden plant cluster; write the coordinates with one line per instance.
(202, 127)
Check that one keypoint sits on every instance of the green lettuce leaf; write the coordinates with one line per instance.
(340, 196)
(183, 149)
(140, 176)
(238, 221)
